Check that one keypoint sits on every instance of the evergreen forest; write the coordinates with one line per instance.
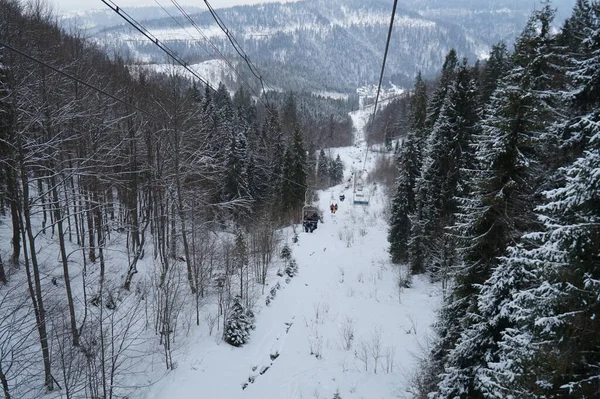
(497, 200)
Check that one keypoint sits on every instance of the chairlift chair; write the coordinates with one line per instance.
(310, 218)
(361, 196)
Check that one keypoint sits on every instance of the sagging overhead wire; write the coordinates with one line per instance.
(216, 49)
(140, 28)
(76, 79)
(180, 25)
(237, 47)
(387, 46)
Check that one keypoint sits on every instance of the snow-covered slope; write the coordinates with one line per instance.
(301, 348)
(342, 324)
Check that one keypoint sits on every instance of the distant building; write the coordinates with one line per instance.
(368, 93)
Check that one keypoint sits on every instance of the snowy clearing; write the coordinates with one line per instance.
(343, 306)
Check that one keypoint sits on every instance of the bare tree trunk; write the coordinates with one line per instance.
(132, 190)
(90, 227)
(75, 209)
(63, 256)
(40, 188)
(4, 383)
(68, 210)
(13, 198)
(2, 273)
(173, 235)
(186, 246)
(36, 287)
(98, 223)
(139, 250)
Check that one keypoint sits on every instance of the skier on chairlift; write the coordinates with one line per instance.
(311, 221)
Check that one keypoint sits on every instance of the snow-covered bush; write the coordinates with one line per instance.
(292, 268)
(286, 253)
(238, 324)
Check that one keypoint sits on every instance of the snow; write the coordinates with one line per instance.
(331, 94)
(212, 71)
(346, 284)
(345, 274)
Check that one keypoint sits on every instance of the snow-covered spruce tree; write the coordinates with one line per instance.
(298, 170)
(447, 155)
(287, 197)
(547, 297)
(562, 309)
(289, 115)
(439, 96)
(418, 114)
(403, 203)
(579, 41)
(417, 134)
(238, 324)
(500, 209)
(417, 240)
(553, 351)
(292, 268)
(323, 174)
(236, 181)
(8, 170)
(336, 171)
(293, 181)
(497, 65)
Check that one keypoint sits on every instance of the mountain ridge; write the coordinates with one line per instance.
(331, 45)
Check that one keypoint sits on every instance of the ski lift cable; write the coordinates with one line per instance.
(140, 28)
(233, 40)
(237, 47)
(180, 25)
(76, 79)
(216, 49)
(387, 46)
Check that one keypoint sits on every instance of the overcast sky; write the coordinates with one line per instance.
(75, 5)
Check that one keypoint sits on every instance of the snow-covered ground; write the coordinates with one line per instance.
(213, 71)
(346, 287)
(342, 324)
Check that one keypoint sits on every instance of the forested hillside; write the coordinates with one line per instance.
(497, 201)
(333, 45)
(125, 200)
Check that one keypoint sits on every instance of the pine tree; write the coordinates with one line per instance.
(500, 210)
(553, 348)
(311, 164)
(448, 153)
(418, 113)
(403, 203)
(236, 182)
(580, 40)
(295, 172)
(289, 115)
(496, 67)
(238, 325)
(423, 212)
(336, 171)
(323, 165)
(439, 96)
(287, 185)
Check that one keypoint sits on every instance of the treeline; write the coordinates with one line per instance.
(127, 205)
(498, 201)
